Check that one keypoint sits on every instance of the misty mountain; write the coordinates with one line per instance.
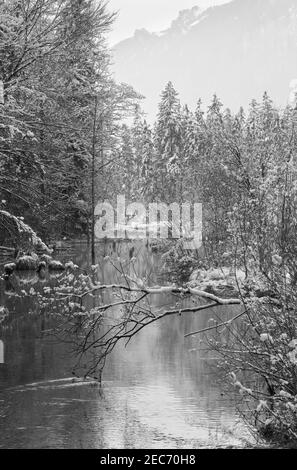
(237, 50)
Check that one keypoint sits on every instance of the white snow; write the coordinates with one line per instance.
(293, 92)
(199, 20)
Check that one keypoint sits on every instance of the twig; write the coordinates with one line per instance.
(215, 326)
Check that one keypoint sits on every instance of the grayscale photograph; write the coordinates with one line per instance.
(148, 228)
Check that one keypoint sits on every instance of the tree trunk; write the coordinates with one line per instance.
(93, 181)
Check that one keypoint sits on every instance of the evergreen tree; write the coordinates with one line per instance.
(148, 164)
(168, 142)
(127, 159)
(137, 141)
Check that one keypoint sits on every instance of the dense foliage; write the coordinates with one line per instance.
(59, 121)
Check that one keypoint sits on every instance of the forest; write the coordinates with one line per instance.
(71, 136)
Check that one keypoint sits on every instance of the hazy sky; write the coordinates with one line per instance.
(153, 15)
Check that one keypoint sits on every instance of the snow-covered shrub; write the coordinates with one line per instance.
(179, 264)
(259, 353)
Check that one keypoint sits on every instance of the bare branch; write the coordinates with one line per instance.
(226, 323)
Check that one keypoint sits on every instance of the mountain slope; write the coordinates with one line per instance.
(238, 50)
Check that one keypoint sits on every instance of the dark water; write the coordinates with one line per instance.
(162, 391)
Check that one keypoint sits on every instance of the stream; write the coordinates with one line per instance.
(162, 391)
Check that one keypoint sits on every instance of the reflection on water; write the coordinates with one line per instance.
(162, 391)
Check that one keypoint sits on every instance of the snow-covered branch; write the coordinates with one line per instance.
(159, 290)
(21, 230)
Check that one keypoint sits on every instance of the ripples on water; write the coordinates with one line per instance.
(162, 391)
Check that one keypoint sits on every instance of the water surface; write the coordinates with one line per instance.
(162, 391)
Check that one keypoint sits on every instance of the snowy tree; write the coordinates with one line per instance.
(148, 161)
(127, 159)
(168, 142)
(54, 65)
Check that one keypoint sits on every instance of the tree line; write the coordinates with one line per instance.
(61, 113)
(241, 166)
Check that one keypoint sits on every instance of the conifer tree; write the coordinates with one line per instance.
(127, 159)
(168, 142)
(148, 164)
